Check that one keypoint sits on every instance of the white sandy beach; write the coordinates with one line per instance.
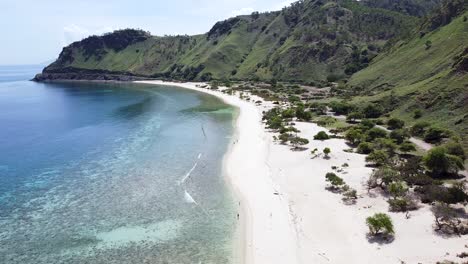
(287, 215)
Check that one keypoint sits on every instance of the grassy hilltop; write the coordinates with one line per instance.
(308, 41)
(426, 73)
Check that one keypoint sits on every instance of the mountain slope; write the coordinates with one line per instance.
(308, 41)
(427, 72)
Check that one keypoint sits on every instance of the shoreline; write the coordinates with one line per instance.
(247, 172)
(287, 216)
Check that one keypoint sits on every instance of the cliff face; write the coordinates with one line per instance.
(308, 41)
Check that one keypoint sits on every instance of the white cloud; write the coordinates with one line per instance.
(242, 11)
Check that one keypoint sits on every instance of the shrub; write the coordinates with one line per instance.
(321, 136)
(399, 135)
(378, 223)
(378, 157)
(382, 177)
(364, 148)
(439, 193)
(417, 114)
(367, 124)
(419, 128)
(397, 189)
(373, 111)
(395, 123)
(456, 149)
(354, 136)
(434, 134)
(406, 147)
(403, 204)
(288, 113)
(327, 152)
(374, 133)
(350, 195)
(353, 116)
(341, 108)
(440, 163)
(385, 144)
(298, 141)
(335, 181)
(446, 219)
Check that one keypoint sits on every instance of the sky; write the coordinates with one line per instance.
(35, 31)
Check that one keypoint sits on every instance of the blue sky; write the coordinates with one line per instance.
(34, 31)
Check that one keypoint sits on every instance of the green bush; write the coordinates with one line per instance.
(407, 147)
(364, 148)
(354, 136)
(334, 180)
(403, 204)
(399, 135)
(397, 189)
(456, 149)
(327, 152)
(380, 223)
(378, 157)
(353, 116)
(395, 123)
(434, 134)
(367, 124)
(298, 141)
(439, 193)
(417, 114)
(419, 129)
(382, 177)
(374, 133)
(321, 136)
(373, 111)
(440, 163)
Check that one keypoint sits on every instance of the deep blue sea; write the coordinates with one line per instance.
(112, 173)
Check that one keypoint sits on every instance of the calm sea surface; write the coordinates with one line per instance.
(112, 173)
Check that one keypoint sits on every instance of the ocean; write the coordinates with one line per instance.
(112, 173)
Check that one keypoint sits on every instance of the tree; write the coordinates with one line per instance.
(322, 135)
(380, 223)
(440, 163)
(378, 157)
(335, 181)
(327, 152)
(395, 123)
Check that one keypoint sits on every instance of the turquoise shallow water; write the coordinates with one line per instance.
(112, 173)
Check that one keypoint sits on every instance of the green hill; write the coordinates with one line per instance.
(308, 41)
(427, 72)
